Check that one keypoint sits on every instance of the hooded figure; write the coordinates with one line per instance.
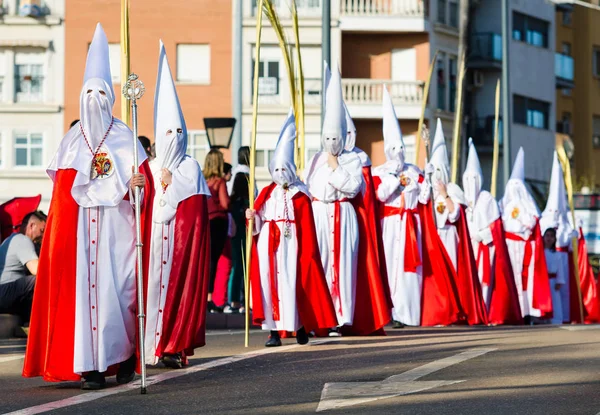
(84, 309)
(449, 202)
(489, 246)
(290, 292)
(177, 280)
(524, 240)
(400, 188)
(334, 177)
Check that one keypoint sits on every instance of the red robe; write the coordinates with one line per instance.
(372, 310)
(13, 212)
(440, 304)
(315, 308)
(589, 295)
(504, 302)
(542, 296)
(51, 342)
(184, 316)
(469, 289)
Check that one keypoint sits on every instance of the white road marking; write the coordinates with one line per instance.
(581, 327)
(153, 380)
(10, 358)
(343, 394)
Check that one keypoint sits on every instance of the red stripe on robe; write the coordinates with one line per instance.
(184, 314)
(315, 308)
(504, 300)
(51, 341)
(440, 304)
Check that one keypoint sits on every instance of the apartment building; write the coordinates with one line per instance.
(32, 62)
(578, 107)
(373, 43)
(198, 39)
(535, 72)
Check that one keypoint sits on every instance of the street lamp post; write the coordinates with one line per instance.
(219, 131)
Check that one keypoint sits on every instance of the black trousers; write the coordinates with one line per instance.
(16, 297)
(218, 236)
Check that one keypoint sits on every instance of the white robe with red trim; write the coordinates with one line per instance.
(405, 287)
(554, 262)
(445, 220)
(327, 186)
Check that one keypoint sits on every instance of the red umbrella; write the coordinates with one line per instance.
(13, 212)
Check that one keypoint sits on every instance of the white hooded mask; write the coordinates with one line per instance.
(351, 133)
(472, 177)
(97, 96)
(333, 135)
(170, 131)
(439, 156)
(556, 213)
(282, 166)
(393, 144)
(516, 191)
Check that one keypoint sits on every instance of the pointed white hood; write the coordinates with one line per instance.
(516, 191)
(473, 176)
(556, 213)
(326, 79)
(351, 131)
(97, 95)
(170, 131)
(439, 155)
(333, 135)
(282, 166)
(393, 144)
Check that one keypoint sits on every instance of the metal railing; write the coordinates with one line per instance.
(408, 8)
(370, 91)
(564, 66)
(306, 8)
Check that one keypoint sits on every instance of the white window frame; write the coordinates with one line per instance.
(4, 73)
(30, 57)
(28, 147)
(2, 158)
(115, 75)
(192, 147)
(206, 80)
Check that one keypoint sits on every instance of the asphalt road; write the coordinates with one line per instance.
(455, 370)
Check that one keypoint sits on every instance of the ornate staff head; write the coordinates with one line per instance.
(134, 88)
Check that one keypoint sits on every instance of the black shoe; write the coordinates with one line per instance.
(335, 332)
(93, 380)
(301, 336)
(397, 325)
(172, 361)
(126, 371)
(274, 340)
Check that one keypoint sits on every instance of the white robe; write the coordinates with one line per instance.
(105, 292)
(564, 237)
(327, 186)
(554, 264)
(286, 262)
(405, 287)
(480, 219)
(521, 225)
(187, 181)
(445, 220)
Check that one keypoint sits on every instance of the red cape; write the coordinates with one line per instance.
(469, 289)
(542, 296)
(51, 342)
(184, 318)
(373, 303)
(504, 303)
(13, 212)
(589, 294)
(440, 304)
(315, 307)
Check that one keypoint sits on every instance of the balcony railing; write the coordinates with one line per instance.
(486, 47)
(370, 91)
(407, 8)
(306, 8)
(482, 131)
(564, 67)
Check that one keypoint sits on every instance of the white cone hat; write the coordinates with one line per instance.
(473, 166)
(351, 131)
(393, 144)
(556, 205)
(334, 123)
(518, 171)
(439, 154)
(283, 156)
(326, 79)
(170, 148)
(472, 176)
(97, 64)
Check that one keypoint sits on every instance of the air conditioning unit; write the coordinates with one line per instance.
(596, 141)
(477, 79)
